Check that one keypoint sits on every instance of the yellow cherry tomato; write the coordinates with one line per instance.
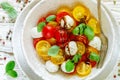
(42, 47)
(92, 49)
(83, 69)
(81, 48)
(52, 23)
(93, 23)
(45, 57)
(80, 13)
(58, 59)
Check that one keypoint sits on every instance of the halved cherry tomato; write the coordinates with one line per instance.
(83, 69)
(80, 12)
(61, 35)
(36, 40)
(93, 23)
(92, 49)
(93, 63)
(85, 57)
(41, 20)
(45, 57)
(48, 31)
(58, 59)
(42, 47)
(52, 23)
(81, 48)
(82, 38)
(52, 41)
(60, 16)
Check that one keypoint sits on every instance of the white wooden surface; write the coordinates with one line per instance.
(6, 24)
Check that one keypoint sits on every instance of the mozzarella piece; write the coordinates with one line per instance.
(71, 48)
(69, 21)
(51, 67)
(35, 33)
(96, 43)
(63, 68)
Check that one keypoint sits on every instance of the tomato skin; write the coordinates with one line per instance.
(61, 15)
(82, 38)
(93, 63)
(41, 20)
(61, 36)
(36, 40)
(48, 31)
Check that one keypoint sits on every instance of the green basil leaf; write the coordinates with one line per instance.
(9, 9)
(50, 18)
(40, 26)
(54, 50)
(89, 33)
(10, 66)
(69, 66)
(94, 57)
(76, 58)
(79, 30)
(12, 73)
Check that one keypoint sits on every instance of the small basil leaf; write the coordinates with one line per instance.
(9, 9)
(89, 33)
(12, 73)
(50, 18)
(94, 57)
(10, 66)
(81, 28)
(54, 50)
(76, 58)
(76, 31)
(69, 66)
(40, 26)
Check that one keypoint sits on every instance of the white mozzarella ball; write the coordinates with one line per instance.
(64, 69)
(35, 33)
(69, 21)
(96, 43)
(51, 67)
(71, 48)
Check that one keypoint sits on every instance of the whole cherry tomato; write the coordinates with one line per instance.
(61, 15)
(93, 63)
(48, 31)
(61, 36)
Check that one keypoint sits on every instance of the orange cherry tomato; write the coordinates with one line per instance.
(52, 41)
(83, 69)
(52, 23)
(92, 49)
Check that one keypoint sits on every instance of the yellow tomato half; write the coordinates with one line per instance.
(42, 47)
(93, 23)
(92, 49)
(52, 23)
(80, 12)
(58, 59)
(83, 69)
(81, 48)
(64, 9)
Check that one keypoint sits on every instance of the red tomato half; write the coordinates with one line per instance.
(41, 20)
(82, 38)
(61, 15)
(35, 41)
(48, 31)
(93, 63)
(61, 36)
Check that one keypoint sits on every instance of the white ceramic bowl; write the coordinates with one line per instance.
(37, 65)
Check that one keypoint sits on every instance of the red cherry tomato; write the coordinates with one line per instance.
(82, 38)
(48, 31)
(93, 63)
(41, 20)
(85, 57)
(61, 36)
(61, 15)
(35, 41)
